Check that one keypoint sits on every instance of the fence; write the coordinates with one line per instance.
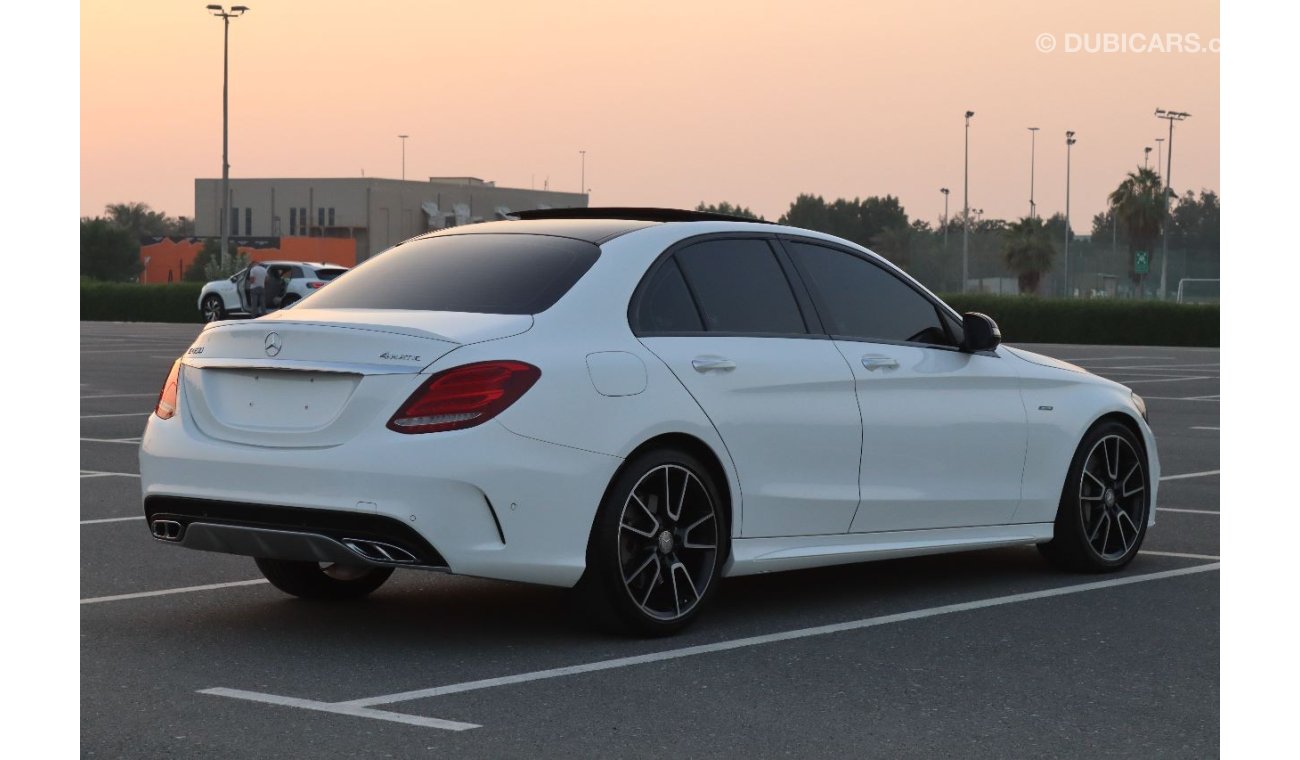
(1097, 269)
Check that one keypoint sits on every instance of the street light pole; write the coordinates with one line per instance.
(403, 139)
(965, 204)
(1160, 152)
(583, 187)
(1033, 137)
(224, 222)
(1146, 156)
(1069, 144)
(1171, 117)
(944, 190)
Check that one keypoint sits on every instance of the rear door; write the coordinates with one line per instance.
(944, 432)
(722, 315)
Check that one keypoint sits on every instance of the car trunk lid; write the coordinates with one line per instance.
(294, 381)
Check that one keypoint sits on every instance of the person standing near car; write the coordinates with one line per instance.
(257, 289)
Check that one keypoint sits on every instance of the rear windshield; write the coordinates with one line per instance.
(328, 274)
(483, 273)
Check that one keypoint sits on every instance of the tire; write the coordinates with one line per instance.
(214, 309)
(289, 299)
(1105, 503)
(309, 580)
(650, 573)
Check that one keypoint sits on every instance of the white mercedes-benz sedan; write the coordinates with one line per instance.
(635, 403)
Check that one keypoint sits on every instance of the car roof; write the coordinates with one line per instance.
(590, 230)
(597, 224)
(315, 264)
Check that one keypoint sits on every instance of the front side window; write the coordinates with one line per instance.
(862, 301)
(740, 287)
(484, 274)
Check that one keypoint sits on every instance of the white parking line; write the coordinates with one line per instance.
(97, 474)
(1206, 365)
(1214, 397)
(119, 414)
(1203, 474)
(341, 709)
(1149, 371)
(111, 520)
(1204, 427)
(121, 395)
(1111, 358)
(1188, 511)
(170, 591)
(111, 440)
(1181, 555)
(721, 646)
(1169, 379)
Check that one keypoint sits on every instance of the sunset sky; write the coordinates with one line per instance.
(674, 102)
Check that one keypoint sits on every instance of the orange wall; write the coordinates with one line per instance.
(342, 251)
(169, 258)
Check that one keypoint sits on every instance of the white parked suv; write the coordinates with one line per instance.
(222, 299)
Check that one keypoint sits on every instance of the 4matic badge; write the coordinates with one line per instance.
(400, 357)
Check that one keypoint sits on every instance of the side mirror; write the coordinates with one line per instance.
(981, 333)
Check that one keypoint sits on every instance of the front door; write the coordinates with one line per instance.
(944, 431)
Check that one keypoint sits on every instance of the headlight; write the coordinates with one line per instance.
(1141, 406)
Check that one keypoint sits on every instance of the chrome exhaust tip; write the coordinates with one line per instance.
(166, 530)
(378, 551)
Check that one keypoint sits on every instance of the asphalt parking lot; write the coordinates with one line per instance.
(985, 654)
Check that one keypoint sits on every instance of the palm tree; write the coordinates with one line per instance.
(137, 218)
(1140, 204)
(1028, 251)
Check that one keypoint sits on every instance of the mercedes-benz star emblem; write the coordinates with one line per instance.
(272, 343)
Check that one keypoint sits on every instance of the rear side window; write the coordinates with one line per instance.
(860, 300)
(666, 305)
(740, 287)
(328, 274)
(482, 273)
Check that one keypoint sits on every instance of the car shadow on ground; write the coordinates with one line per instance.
(420, 612)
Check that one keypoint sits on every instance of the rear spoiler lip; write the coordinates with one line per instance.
(298, 365)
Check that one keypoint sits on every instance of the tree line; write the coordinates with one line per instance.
(1028, 249)
(110, 244)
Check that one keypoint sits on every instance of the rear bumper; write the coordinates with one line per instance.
(313, 535)
(483, 501)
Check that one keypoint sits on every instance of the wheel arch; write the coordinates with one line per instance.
(700, 450)
(1125, 419)
(1130, 422)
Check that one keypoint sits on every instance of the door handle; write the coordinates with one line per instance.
(706, 363)
(873, 363)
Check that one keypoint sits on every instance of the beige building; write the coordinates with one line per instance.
(375, 212)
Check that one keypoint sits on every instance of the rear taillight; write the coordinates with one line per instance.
(465, 396)
(314, 285)
(166, 408)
